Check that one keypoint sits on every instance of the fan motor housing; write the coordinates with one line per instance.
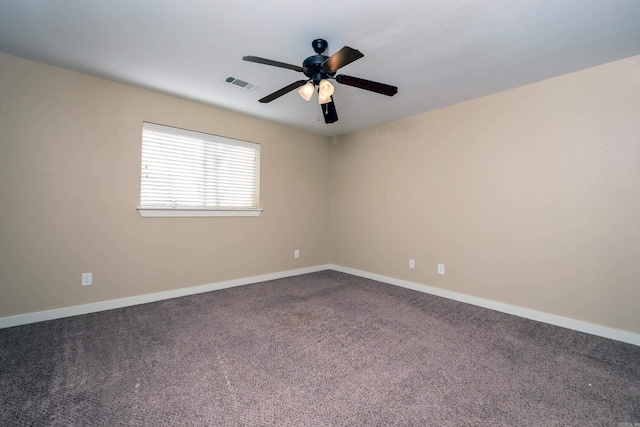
(314, 70)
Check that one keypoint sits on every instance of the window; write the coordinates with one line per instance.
(186, 173)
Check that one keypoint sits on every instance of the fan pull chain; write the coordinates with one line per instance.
(325, 111)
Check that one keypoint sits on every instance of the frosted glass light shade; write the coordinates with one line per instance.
(325, 88)
(306, 91)
(323, 99)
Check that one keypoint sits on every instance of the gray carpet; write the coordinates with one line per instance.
(323, 349)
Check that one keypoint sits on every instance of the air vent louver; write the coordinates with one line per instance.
(240, 83)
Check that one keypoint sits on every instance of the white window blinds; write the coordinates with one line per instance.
(183, 169)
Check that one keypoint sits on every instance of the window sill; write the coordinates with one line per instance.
(149, 212)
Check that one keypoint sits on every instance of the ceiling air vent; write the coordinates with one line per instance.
(240, 83)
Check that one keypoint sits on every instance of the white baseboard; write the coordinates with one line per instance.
(40, 316)
(565, 322)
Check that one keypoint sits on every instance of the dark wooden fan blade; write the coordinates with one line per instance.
(329, 112)
(283, 91)
(344, 56)
(271, 62)
(367, 85)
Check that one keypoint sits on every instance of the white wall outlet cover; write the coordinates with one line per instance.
(87, 279)
(412, 263)
(296, 253)
(440, 268)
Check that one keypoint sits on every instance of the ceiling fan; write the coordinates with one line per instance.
(319, 69)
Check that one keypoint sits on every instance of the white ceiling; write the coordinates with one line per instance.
(438, 52)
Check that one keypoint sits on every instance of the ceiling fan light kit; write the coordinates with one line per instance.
(319, 69)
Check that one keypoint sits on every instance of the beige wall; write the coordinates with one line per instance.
(530, 197)
(69, 187)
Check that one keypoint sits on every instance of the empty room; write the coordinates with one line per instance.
(296, 213)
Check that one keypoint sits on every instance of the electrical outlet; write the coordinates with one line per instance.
(296, 253)
(87, 279)
(440, 268)
(412, 264)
